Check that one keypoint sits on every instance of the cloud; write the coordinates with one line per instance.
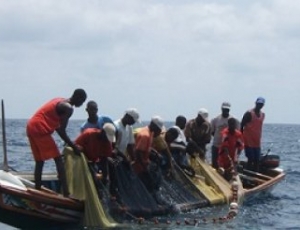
(173, 53)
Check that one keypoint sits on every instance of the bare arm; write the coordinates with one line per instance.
(246, 119)
(130, 151)
(65, 111)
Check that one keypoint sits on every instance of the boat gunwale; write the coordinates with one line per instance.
(44, 197)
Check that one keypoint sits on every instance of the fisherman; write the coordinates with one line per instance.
(52, 116)
(180, 122)
(94, 120)
(178, 146)
(198, 133)
(161, 153)
(231, 146)
(251, 127)
(97, 146)
(217, 125)
(143, 144)
(125, 138)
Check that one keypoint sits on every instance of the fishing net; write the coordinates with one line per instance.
(81, 186)
(135, 199)
(178, 189)
(169, 194)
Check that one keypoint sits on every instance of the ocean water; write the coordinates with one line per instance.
(279, 209)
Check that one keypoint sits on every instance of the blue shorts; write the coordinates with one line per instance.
(253, 154)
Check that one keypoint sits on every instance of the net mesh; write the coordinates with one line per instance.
(175, 193)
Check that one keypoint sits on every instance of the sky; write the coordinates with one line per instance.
(164, 58)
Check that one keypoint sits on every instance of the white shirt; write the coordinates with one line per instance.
(181, 136)
(217, 125)
(125, 136)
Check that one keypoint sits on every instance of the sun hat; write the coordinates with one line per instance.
(158, 121)
(133, 113)
(203, 113)
(110, 131)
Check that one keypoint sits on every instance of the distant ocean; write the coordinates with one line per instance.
(278, 210)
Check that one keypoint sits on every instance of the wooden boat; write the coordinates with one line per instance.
(21, 205)
(30, 207)
(258, 183)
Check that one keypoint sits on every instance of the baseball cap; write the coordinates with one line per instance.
(110, 131)
(260, 100)
(133, 113)
(203, 113)
(225, 105)
(158, 121)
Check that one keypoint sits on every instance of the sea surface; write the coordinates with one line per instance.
(279, 209)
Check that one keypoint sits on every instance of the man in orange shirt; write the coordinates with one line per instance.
(143, 143)
(231, 146)
(52, 116)
(251, 127)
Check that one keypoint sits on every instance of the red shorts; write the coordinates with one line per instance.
(43, 147)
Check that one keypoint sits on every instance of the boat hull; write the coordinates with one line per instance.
(257, 184)
(21, 206)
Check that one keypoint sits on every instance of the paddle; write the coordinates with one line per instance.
(5, 164)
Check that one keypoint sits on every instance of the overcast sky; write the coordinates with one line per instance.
(163, 57)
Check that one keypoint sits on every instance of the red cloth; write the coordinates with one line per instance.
(92, 146)
(231, 143)
(253, 130)
(39, 129)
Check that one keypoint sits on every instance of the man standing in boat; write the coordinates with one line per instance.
(198, 134)
(251, 127)
(232, 144)
(52, 116)
(217, 125)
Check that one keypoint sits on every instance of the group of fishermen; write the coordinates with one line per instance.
(105, 142)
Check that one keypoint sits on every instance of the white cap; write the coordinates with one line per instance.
(225, 105)
(133, 113)
(203, 113)
(110, 131)
(158, 121)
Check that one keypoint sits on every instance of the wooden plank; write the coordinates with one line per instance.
(258, 174)
(250, 178)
